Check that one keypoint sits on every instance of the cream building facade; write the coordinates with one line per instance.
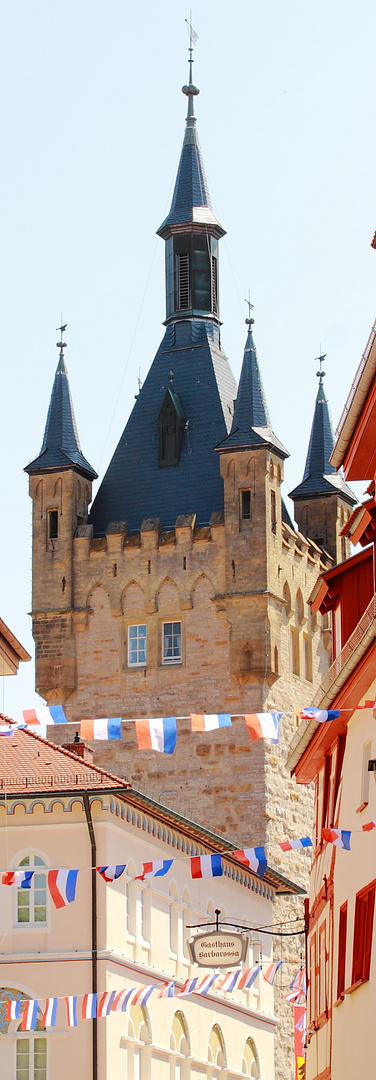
(60, 811)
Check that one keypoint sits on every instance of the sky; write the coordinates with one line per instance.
(92, 122)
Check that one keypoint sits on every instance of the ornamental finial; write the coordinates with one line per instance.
(191, 90)
(320, 359)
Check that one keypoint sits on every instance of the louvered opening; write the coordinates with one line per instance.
(214, 285)
(183, 281)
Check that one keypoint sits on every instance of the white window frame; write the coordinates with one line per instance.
(31, 923)
(166, 661)
(30, 1037)
(137, 663)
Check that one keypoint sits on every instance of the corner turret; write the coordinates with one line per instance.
(323, 498)
(60, 487)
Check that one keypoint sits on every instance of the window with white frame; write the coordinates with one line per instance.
(32, 903)
(137, 645)
(31, 1058)
(171, 643)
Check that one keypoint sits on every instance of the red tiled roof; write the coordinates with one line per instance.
(31, 764)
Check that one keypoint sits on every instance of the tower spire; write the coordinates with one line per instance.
(251, 426)
(61, 445)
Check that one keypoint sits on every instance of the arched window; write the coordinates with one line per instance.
(32, 903)
(250, 1063)
(139, 1030)
(179, 1044)
(216, 1048)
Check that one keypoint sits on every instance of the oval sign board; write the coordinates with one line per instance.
(218, 949)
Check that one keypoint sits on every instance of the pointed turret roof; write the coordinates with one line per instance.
(251, 427)
(61, 445)
(191, 199)
(320, 476)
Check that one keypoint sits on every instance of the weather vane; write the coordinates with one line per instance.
(250, 306)
(320, 359)
(61, 344)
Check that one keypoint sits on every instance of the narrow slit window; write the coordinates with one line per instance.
(245, 505)
(183, 280)
(53, 524)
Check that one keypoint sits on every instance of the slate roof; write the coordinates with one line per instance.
(320, 477)
(191, 200)
(31, 764)
(251, 427)
(134, 486)
(61, 445)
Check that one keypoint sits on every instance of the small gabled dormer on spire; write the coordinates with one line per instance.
(191, 230)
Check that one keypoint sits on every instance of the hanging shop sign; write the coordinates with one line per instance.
(218, 949)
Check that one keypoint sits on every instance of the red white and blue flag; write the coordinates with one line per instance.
(9, 730)
(29, 1016)
(154, 869)
(142, 996)
(248, 977)
(111, 873)
(62, 886)
(21, 878)
(205, 866)
(71, 1007)
(299, 981)
(209, 722)
(205, 985)
(339, 837)
(13, 1010)
(49, 1011)
(52, 714)
(120, 1002)
(263, 725)
(168, 990)
(95, 730)
(89, 1007)
(105, 1003)
(229, 981)
(188, 987)
(320, 715)
(293, 845)
(159, 734)
(253, 858)
(271, 971)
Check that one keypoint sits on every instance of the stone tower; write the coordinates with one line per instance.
(185, 589)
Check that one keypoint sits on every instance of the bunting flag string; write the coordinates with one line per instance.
(100, 1005)
(62, 883)
(263, 725)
